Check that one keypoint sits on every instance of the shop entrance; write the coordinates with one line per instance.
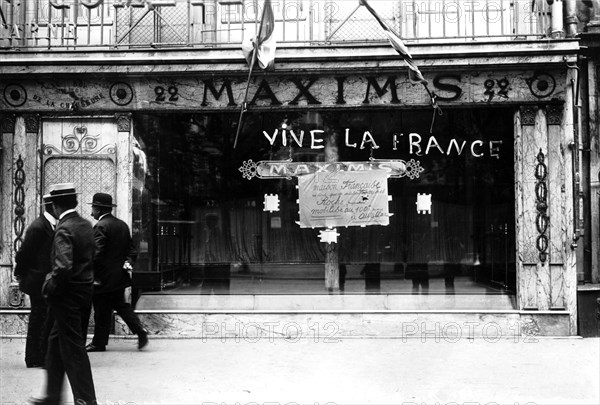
(82, 152)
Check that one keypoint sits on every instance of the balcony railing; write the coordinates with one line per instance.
(126, 24)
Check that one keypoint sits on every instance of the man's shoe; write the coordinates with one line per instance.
(40, 401)
(95, 348)
(142, 340)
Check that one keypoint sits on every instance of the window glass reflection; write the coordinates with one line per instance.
(201, 228)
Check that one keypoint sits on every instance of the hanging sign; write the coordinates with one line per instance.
(343, 198)
(270, 169)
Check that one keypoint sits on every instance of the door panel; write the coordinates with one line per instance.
(83, 152)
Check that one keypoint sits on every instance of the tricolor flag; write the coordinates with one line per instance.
(414, 74)
(264, 43)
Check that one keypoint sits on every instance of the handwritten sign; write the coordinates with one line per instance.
(343, 198)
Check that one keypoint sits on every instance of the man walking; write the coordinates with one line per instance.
(68, 291)
(32, 263)
(115, 254)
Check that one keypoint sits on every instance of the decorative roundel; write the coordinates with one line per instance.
(541, 84)
(121, 93)
(15, 95)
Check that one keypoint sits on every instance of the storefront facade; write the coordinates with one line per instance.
(480, 208)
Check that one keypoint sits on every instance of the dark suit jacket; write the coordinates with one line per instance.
(72, 258)
(114, 246)
(32, 261)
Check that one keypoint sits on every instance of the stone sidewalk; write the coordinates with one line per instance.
(319, 370)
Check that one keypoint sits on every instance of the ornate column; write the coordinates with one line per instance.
(123, 197)
(544, 195)
(24, 195)
(532, 215)
(7, 130)
(557, 204)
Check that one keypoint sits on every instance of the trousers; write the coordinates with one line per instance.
(38, 330)
(66, 351)
(104, 305)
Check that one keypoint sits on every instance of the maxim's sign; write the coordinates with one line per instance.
(268, 92)
(272, 169)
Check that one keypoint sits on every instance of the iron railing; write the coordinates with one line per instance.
(82, 24)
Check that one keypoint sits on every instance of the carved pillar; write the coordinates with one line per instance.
(532, 208)
(123, 197)
(557, 205)
(7, 130)
(568, 268)
(544, 208)
(25, 193)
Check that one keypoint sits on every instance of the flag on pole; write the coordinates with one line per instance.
(259, 49)
(264, 43)
(414, 74)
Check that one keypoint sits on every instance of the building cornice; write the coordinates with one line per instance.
(350, 57)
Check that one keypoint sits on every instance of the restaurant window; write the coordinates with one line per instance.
(202, 226)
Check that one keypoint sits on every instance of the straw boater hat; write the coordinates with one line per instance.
(46, 199)
(102, 200)
(60, 190)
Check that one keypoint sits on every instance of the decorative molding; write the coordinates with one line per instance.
(554, 114)
(32, 123)
(16, 298)
(15, 95)
(7, 123)
(19, 201)
(81, 143)
(123, 122)
(528, 115)
(121, 93)
(541, 84)
(541, 198)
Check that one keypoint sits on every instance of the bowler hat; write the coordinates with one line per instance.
(60, 190)
(102, 200)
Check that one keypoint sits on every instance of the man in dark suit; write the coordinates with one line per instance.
(32, 263)
(68, 291)
(115, 254)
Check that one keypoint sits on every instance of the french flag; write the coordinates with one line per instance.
(264, 43)
(414, 74)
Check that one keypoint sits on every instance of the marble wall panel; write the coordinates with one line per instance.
(13, 323)
(528, 297)
(329, 327)
(122, 130)
(6, 214)
(558, 231)
(570, 266)
(557, 284)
